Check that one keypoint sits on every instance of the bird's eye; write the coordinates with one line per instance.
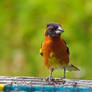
(48, 25)
(56, 27)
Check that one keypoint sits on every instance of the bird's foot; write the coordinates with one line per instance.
(49, 79)
(62, 78)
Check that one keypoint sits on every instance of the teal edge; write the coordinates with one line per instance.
(45, 88)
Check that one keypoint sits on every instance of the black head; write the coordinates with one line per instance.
(54, 30)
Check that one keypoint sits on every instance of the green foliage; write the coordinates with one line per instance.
(22, 26)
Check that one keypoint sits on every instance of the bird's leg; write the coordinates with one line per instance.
(50, 76)
(51, 73)
(63, 81)
(64, 72)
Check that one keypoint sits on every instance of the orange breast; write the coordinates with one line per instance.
(56, 46)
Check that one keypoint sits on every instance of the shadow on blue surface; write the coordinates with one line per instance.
(45, 89)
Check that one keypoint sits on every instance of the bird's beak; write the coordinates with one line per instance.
(59, 30)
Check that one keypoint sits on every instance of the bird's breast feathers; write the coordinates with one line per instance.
(53, 61)
(54, 53)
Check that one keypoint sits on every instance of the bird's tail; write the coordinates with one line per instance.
(71, 67)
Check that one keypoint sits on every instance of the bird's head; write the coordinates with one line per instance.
(53, 30)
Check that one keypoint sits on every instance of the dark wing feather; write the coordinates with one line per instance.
(67, 47)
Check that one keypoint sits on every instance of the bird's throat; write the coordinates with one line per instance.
(52, 38)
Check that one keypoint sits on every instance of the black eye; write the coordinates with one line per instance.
(48, 25)
(56, 27)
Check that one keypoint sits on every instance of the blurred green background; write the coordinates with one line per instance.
(22, 26)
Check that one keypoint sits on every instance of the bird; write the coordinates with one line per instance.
(55, 51)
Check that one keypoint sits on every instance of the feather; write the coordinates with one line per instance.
(41, 52)
(71, 67)
(67, 47)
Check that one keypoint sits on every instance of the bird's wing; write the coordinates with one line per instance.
(67, 47)
(41, 52)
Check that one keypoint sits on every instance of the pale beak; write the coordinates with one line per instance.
(59, 30)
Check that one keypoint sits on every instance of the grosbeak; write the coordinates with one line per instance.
(55, 51)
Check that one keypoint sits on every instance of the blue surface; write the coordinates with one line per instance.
(45, 89)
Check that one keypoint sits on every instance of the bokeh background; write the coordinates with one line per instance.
(22, 26)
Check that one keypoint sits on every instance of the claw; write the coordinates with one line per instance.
(49, 78)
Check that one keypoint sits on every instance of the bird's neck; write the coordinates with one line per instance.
(52, 38)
